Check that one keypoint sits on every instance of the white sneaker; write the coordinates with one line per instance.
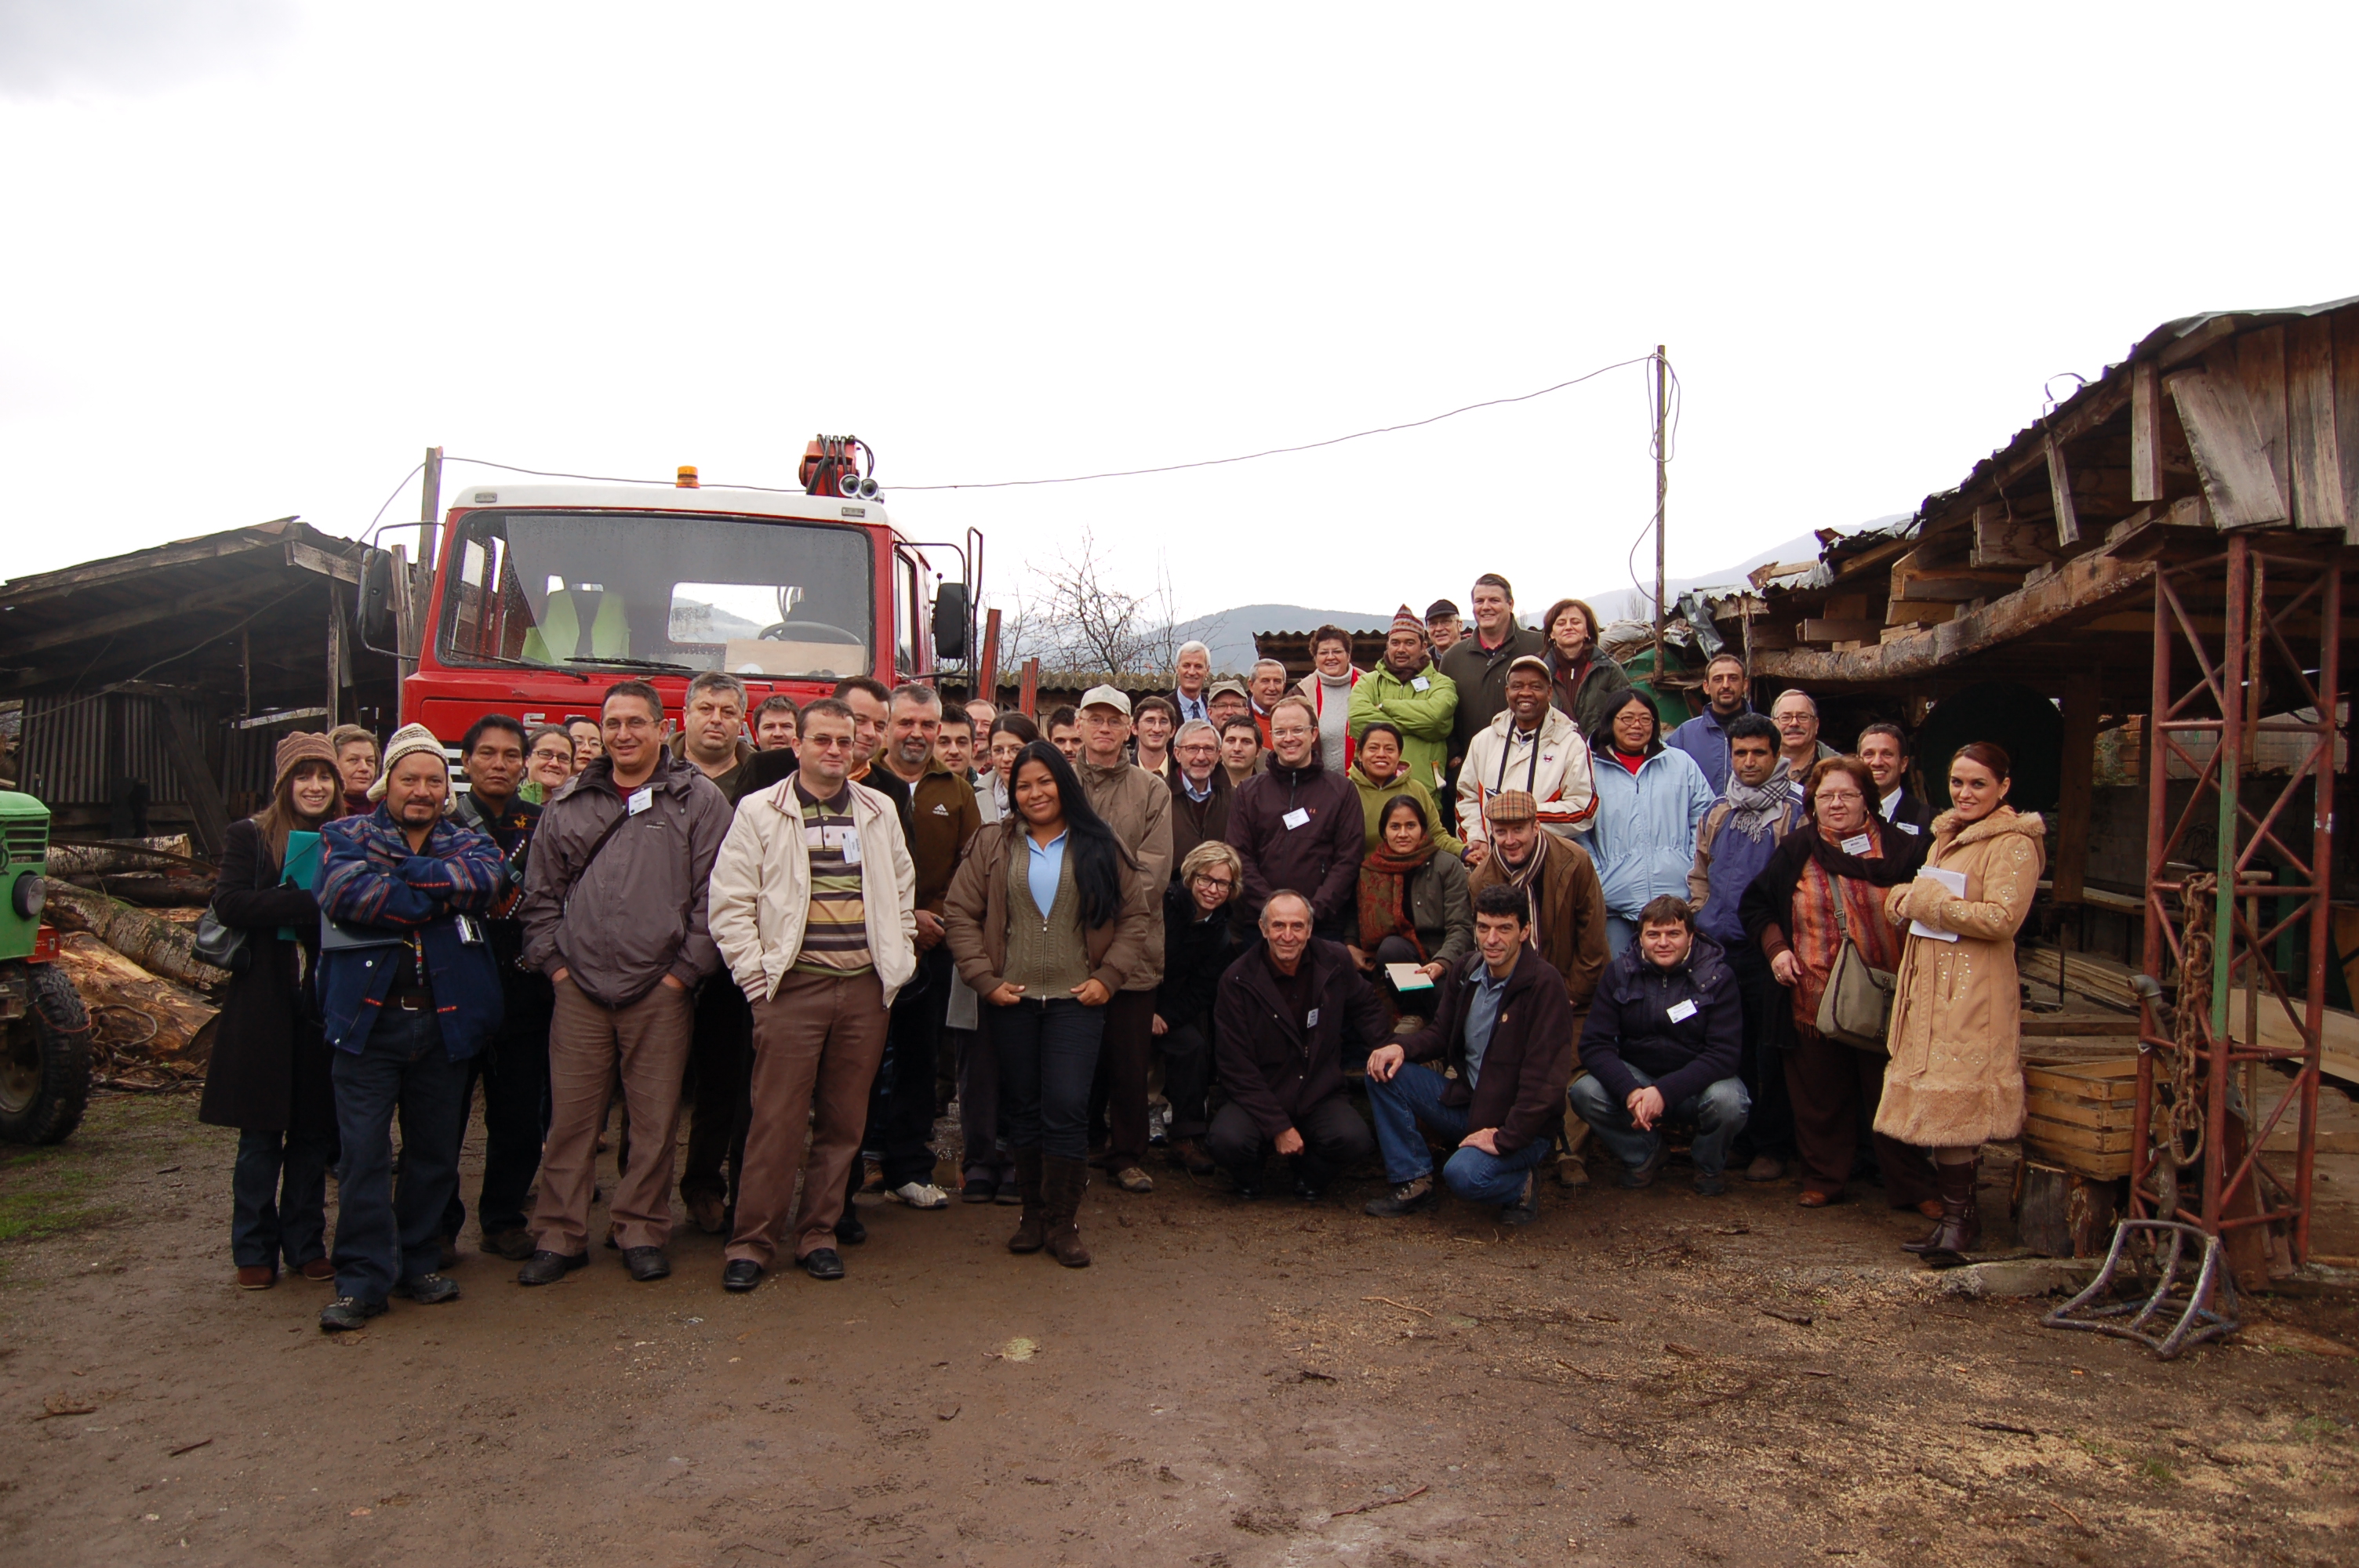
(922, 1195)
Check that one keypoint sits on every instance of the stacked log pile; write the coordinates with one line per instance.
(152, 1001)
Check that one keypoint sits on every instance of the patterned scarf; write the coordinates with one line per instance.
(1383, 886)
(1528, 880)
(1758, 809)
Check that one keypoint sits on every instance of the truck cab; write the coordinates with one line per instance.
(546, 594)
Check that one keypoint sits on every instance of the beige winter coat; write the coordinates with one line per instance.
(1956, 1077)
(760, 901)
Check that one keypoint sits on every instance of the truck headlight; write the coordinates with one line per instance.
(32, 893)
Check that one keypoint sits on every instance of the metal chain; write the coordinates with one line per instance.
(2178, 1130)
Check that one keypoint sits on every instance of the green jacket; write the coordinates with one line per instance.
(1423, 718)
(1373, 795)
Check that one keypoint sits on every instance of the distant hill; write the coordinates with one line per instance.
(1230, 633)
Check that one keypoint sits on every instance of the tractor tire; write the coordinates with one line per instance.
(45, 1062)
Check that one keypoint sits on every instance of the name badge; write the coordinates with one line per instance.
(1420, 684)
(850, 846)
(640, 799)
(1681, 1013)
(1909, 827)
(1858, 844)
(1312, 1021)
(1295, 818)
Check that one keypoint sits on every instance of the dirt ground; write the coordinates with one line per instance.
(1639, 1377)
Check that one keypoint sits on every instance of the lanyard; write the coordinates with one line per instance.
(1532, 771)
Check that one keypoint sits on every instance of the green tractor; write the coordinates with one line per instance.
(45, 1053)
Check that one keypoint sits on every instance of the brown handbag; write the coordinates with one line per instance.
(1855, 1010)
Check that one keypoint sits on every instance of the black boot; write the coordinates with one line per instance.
(1032, 1230)
(1064, 1182)
(1959, 1229)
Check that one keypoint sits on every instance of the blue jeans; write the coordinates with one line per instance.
(1048, 1055)
(1717, 1115)
(384, 1236)
(279, 1196)
(1413, 1099)
(1619, 934)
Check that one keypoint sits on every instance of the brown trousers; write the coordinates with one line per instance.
(1835, 1090)
(816, 1046)
(649, 1041)
(1120, 1088)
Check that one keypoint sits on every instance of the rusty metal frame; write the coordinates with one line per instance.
(2242, 1189)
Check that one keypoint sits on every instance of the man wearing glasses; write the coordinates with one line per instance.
(1201, 790)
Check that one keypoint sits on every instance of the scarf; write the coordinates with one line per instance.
(1528, 880)
(1334, 730)
(1383, 886)
(1758, 809)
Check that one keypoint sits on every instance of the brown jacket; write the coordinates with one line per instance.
(1192, 824)
(1571, 915)
(735, 782)
(943, 821)
(1956, 1077)
(974, 916)
(1137, 806)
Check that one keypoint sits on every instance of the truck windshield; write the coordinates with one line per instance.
(566, 588)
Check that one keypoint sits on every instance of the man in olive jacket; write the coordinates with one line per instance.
(631, 839)
(1280, 1027)
(1409, 693)
(1505, 1031)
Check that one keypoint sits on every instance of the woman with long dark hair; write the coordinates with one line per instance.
(1956, 1078)
(268, 1075)
(1414, 906)
(1825, 885)
(1046, 919)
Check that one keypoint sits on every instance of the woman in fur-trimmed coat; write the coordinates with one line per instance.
(1956, 1077)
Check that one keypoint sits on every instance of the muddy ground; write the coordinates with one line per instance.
(1639, 1377)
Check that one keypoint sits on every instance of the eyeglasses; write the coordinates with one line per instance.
(828, 743)
(1218, 884)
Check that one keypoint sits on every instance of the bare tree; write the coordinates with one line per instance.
(1075, 619)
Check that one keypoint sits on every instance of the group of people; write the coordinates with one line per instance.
(1480, 883)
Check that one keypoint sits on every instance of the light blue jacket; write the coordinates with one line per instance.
(1643, 835)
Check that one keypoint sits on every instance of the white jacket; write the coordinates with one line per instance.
(1558, 777)
(761, 889)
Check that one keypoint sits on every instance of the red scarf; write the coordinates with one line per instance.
(1383, 904)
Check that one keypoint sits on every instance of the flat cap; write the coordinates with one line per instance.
(1511, 807)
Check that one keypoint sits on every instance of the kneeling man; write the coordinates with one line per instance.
(1665, 1032)
(1283, 1011)
(1504, 1029)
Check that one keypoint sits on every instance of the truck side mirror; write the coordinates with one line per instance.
(373, 607)
(951, 611)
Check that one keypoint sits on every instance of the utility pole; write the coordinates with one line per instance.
(1662, 482)
(430, 505)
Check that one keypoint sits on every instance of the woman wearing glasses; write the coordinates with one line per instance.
(1199, 942)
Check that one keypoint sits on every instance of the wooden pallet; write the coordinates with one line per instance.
(2078, 1114)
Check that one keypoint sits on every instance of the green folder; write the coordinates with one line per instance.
(302, 868)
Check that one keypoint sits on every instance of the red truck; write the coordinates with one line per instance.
(544, 594)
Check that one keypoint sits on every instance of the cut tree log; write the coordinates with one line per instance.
(120, 855)
(168, 890)
(119, 993)
(157, 946)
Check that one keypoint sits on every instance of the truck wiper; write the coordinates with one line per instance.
(634, 665)
(523, 664)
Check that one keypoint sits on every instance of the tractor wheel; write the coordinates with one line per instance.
(45, 1063)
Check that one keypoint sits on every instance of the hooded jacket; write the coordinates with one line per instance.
(759, 905)
(1318, 856)
(639, 912)
(1630, 1022)
(1553, 765)
(1529, 1061)
(1423, 707)
(1643, 835)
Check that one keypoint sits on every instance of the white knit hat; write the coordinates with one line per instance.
(407, 739)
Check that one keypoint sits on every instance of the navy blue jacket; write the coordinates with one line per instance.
(369, 878)
(1630, 1024)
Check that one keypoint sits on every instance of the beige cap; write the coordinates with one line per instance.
(1105, 696)
(407, 740)
(1531, 661)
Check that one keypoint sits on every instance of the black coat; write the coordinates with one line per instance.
(1320, 859)
(1192, 824)
(1196, 953)
(1529, 1061)
(1630, 1024)
(1277, 1066)
(269, 1067)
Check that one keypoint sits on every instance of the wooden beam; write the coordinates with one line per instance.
(213, 601)
(2230, 455)
(2313, 445)
(2346, 415)
(2146, 431)
(1841, 630)
(326, 565)
(2217, 330)
(2002, 539)
(2260, 369)
(2079, 789)
(2059, 492)
(208, 811)
(53, 585)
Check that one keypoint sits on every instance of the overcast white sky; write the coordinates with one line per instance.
(261, 254)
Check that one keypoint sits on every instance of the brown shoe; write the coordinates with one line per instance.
(1131, 1179)
(707, 1210)
(1188, 1153)
(1032, 1230)
(1813, 1199)
(1571, 1171)
(1063, 1183)
(1765, 1168)
(1960, 1229)
(319, 1271)
(256, 1277)
(516, 1246)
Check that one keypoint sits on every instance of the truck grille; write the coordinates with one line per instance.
(27, 843)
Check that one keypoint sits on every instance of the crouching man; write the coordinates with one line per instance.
(1280, 1024)
(407, 993)
(1665, 1032)
(1504, 1029)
